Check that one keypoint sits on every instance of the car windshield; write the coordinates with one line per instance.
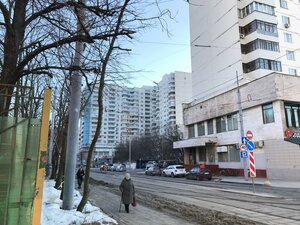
(179, 167)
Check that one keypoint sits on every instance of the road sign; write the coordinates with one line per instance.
(249, 135)
(250, 145)
(243, 147)
(252, 164)
(244, 154)
(244, 140)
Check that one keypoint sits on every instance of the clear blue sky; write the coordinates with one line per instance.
(157, 53)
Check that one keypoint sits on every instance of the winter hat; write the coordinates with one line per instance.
(127, 176)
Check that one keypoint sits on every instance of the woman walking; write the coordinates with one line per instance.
(127, 191)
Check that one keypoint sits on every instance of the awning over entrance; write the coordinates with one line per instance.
(194, 142)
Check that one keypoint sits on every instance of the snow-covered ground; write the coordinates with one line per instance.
(53, 215)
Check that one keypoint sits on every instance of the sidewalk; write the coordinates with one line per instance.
(261, 181)
(141, 215)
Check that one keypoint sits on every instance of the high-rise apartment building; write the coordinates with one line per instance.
(133, 112)
(127, 113)
(250, 38)
(256, 43)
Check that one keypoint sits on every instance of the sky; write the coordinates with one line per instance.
(157, 54)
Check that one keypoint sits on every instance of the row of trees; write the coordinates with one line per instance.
(149, 148)
(37, 49)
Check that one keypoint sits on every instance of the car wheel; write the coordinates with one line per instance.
(164, 174)
(172, 175)
(209, 178)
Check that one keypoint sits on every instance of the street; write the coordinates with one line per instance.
(269, 205)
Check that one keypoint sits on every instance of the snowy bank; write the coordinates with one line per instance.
(53, 215)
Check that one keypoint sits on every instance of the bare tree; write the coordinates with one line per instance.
(35, 34)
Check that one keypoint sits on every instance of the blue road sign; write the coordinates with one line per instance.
(244, 154)
(244, 140)
(250, 145)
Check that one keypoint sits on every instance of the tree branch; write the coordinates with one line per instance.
(6, 16)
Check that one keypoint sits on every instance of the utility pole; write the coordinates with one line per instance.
(245, 164)
(74, 110)
(129, 155)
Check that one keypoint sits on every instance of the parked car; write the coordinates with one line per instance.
(103, 167)
(109, 166)
(153, 170)
(197, 173)
(114, 166)
(150, 163)
(121, 167)
(174, 171)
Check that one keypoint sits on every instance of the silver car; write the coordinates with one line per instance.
(121, 168)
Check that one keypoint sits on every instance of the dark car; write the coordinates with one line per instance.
(197, 173)
(153, 170)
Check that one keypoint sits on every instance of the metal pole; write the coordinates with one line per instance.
(72, 139)
(129, 157)
(253, 185)
(245, 164)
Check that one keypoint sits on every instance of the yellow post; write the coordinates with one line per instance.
(39, 186)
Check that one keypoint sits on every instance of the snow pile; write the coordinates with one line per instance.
(53, 215)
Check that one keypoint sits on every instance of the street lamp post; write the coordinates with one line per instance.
(129, 154)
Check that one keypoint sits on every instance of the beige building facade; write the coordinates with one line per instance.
(253, 45)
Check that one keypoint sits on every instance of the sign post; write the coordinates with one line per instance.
(247, 151)
(250, 147)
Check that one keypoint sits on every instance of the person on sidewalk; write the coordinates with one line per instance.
(127, 191)
(80, 174)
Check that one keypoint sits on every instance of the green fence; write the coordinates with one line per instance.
(19, 146)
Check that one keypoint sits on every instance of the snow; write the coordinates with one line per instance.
(53, 215)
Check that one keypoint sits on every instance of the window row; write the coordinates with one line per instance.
(223, 124)
(256, 6)
(261, 27)
(262, 64)
(260, 44)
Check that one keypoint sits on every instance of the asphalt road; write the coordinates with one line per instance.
(269, 205)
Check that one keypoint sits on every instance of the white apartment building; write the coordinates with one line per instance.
(249, 41)
(133, 112)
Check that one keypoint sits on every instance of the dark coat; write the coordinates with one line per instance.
(80, 174)
(128, 192)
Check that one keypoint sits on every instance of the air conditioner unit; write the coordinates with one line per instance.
(286, 25)
(242, 36)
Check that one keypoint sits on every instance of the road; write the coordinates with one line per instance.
(269, 205)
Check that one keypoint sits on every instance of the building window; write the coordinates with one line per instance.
(261, 27)
(256, 6)
(290, 55)
(201, 129)
(210, 127)
(283, 4)
(260, 44)
(268, 113)
(232, 154)
(262, 64)
(292, 113)
(287, 37)
(232, 122)
(285, 20)
(292, 72)
(191, 131)
(221, 124)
